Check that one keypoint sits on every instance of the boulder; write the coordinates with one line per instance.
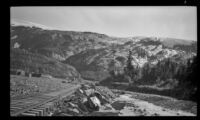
(85, 87)
(80, 93)
(107, 93)
(71, 111)
(118, 105)
(94, 103)
(107, 107)
(82, 106)
(84, 100)
(102, 99)
(75, 111)
(89, 92)
(72, 105)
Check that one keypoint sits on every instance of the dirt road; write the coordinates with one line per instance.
(126, 105)
(62, 92)
(138, 107)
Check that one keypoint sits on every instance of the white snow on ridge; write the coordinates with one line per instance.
(150, 47)
(139, 61)
(154, 52)
(16, 22)
(169, 53)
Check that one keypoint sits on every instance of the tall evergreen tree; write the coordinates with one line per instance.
(130, 71)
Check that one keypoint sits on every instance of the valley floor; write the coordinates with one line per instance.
(145, 108)
(125, 103)
(128, 105)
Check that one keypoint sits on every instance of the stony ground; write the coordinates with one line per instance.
(115, 104)
(126, 105)
(166, 102)
(129, 106)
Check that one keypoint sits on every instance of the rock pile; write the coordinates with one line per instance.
(85, 100)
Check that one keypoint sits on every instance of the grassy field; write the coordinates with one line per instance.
(21, 86)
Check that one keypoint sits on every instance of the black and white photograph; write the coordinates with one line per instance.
(103, 61)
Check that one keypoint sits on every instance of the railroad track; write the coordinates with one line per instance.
(40, 105)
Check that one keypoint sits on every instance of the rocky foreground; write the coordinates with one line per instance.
(91, 100)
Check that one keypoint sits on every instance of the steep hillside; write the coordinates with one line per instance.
(22, 59)
(144, 51)
(57, 44)
(94, 54)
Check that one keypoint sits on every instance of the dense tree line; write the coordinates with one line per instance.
(182, 75)
(179, 75)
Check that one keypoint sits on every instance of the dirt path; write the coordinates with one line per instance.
(128, 106)
(56, 93)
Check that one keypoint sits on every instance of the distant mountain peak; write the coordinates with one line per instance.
(17, 22)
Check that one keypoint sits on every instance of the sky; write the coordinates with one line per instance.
(128, 21)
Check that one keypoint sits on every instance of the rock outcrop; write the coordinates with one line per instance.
(85, 100)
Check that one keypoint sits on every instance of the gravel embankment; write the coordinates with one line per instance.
(21, 86)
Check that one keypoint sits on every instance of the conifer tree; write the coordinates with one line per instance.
(130, 71)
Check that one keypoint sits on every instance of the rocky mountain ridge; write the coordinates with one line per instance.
(92, 53)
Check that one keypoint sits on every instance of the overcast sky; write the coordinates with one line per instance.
(175, 22)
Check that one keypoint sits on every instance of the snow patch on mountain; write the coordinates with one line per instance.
(155, 51)
(138, 45)
(169, 53)
(17, 22)
(151, 47)
(139, 61)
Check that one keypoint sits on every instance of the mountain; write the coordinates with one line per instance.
(93, 54)
(17, 22)
(146, 50)
(32, 62)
